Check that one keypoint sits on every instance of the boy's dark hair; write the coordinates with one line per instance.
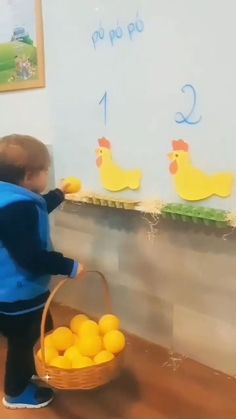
(19, 155)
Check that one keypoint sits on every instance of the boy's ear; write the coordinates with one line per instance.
(29, 175)
(26, 182)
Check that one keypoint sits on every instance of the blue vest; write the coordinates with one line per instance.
(16, 284)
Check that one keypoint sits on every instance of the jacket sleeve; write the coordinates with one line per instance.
(54, 199)
(19, 233)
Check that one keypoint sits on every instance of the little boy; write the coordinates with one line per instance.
(26, 262)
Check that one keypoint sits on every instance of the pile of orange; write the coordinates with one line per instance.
(84, 344)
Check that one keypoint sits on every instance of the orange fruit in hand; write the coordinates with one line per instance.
(108, 322)
(72, 185)
(62, 338)
(114, 341)
(76, 323)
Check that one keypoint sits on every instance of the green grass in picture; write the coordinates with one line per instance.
(13, 57)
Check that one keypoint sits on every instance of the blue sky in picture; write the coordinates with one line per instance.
(17, 14)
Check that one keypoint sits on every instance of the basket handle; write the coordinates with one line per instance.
(80, 278)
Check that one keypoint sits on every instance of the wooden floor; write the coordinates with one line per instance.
(153, 385)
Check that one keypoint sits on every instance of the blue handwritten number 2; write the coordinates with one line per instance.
(180, 118)
(104, 101)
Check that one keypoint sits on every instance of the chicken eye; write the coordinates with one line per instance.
(176, 155)
(100, 151)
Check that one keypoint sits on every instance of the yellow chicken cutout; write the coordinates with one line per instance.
(193, 184)
(115, 179)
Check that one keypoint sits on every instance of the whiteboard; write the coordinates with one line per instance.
(140, 54)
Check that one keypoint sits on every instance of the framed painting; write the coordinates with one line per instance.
(21, 45)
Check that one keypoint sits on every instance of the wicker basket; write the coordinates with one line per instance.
(76, 379)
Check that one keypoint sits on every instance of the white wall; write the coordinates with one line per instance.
(26, 112)
(78, 76)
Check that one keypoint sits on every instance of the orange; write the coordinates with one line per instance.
(82, 362)
(76, 339)
(62, 338)
(90, 345)
(73, 185)
(103, 357)
(89, 328)
(72, 352)
(48, 342)
(114, 341)
(108, 322)
(61, 362)
(50, 354)
(76, 323)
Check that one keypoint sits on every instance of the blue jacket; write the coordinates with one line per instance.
(27, 260)
(16, 283)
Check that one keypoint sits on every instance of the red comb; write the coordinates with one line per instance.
(180, 145)
(103, 142)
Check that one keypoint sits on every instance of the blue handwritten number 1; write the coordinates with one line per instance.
(104, 101)
(180, 118)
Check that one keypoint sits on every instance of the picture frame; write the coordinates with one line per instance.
(22, 64)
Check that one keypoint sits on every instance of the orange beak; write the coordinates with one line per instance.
(98, 158)
(170, 156)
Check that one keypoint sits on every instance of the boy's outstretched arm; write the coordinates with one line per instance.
(54, 199)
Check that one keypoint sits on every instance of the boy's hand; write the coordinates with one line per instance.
(78, 269)
(81, 270)
(70, 185)
(64, 186)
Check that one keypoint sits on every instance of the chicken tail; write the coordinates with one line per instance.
(223, 185)
(135, 180)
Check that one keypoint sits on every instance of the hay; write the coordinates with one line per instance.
(231, 219)
(150, 207)
(151, 212)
